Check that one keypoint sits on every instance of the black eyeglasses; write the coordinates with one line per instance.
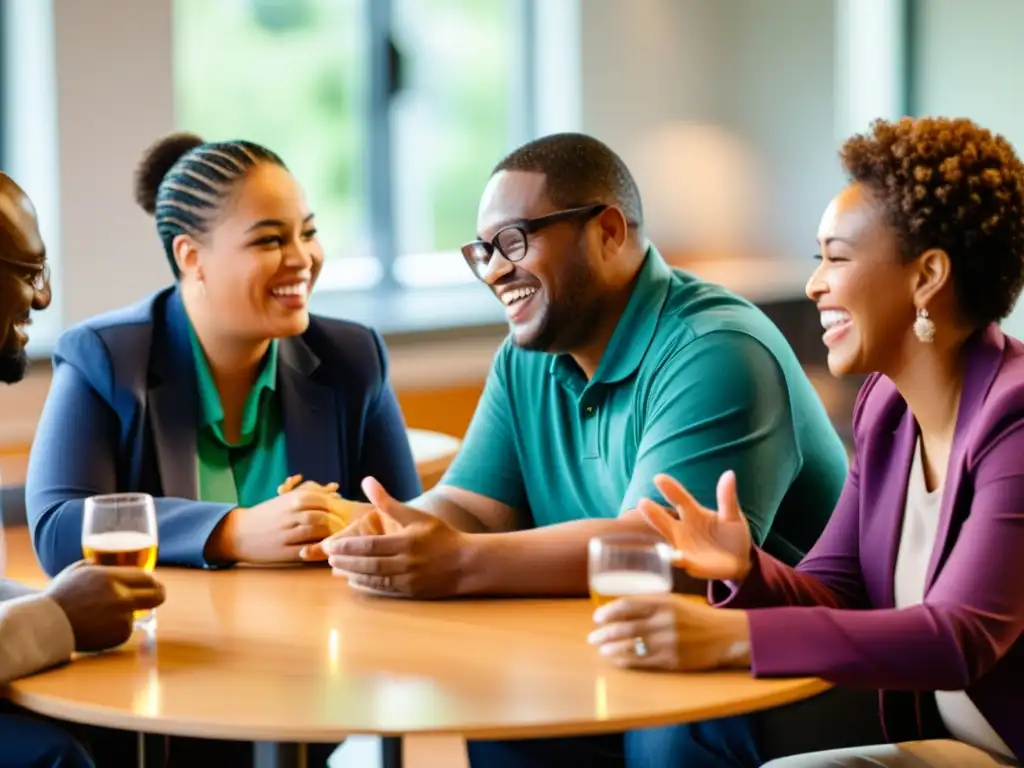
(512, 241)
(40, 279)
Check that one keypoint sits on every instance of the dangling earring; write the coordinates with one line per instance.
(924, 327)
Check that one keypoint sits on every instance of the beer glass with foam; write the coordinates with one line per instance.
(627, 565)
(120, 529)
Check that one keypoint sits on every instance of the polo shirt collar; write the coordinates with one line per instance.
(635, 330)
(210, 408)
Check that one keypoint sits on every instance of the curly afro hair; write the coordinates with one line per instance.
(948, 183)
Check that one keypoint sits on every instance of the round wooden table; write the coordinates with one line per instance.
(293, 655)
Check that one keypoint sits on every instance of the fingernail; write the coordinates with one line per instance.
(605, 650)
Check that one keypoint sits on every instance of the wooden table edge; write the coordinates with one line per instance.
(798, 689)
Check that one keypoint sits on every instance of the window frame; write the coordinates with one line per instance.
(378, 128)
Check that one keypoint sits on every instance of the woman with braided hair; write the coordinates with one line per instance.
(211, 392)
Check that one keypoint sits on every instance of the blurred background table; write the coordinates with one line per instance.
(432, 451)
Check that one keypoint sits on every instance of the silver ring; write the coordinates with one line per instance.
(639, 647)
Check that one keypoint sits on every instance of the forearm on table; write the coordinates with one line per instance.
(541, 561)
(187, 529)
(439, 504)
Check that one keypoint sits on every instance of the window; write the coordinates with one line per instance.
(391, 114)
(3, 81)
(28, 115)
(290, 76)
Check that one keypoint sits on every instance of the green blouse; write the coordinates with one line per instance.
(248, 472)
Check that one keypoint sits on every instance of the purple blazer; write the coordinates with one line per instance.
(835, 616)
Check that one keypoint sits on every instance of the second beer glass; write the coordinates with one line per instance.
(626, 565)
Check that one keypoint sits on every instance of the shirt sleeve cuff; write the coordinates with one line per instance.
(34, 634)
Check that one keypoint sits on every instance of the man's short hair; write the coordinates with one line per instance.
(578, 170)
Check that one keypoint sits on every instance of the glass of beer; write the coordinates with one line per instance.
(626, 565)
(120, 529)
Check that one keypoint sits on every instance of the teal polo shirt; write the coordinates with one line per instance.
(248, 472)
(695, 381)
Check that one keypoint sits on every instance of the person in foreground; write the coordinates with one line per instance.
(85, 608)
(913, 588)
(211, 392)
(616, 367)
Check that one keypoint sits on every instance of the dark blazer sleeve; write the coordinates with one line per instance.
(76, 454)
(386, 454)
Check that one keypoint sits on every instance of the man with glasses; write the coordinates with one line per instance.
(617, 368)
(85, 608)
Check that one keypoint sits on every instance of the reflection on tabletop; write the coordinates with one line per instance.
(309, 660)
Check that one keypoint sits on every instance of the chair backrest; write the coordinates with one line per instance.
(12, 506)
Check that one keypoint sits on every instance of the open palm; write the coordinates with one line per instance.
(711, 545)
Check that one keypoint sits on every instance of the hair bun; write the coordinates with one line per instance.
(156, 162)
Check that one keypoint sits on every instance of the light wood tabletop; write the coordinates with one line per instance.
(295, 655)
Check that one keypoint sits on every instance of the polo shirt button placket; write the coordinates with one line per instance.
(589, 431)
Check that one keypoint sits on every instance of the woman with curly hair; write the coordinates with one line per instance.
(913, 588)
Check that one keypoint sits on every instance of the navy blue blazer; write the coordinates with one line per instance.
(123, 408)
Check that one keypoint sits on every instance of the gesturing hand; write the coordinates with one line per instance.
(398, 548)
(671, 632)
(711, 545)
(100, 602)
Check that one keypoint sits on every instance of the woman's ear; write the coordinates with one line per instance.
(186, 254)
(931, 274)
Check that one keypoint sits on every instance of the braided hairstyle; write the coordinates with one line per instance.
(183, 182)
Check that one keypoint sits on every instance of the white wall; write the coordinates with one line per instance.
(969, 63)
(749, 86)
(109, 63)
(114, 98)
(870, 55)
(783, 61)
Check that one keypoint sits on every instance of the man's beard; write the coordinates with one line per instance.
(13, 365)
(570, 317)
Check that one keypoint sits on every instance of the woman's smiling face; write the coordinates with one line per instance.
(863, 289)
